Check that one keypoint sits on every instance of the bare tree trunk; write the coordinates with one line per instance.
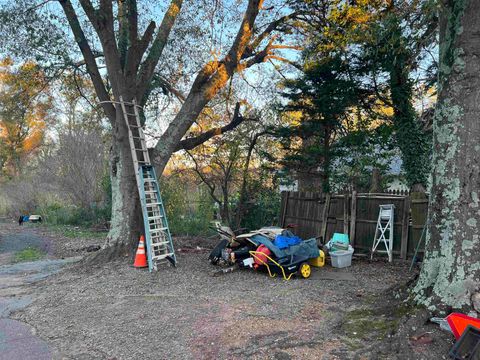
(450, 276)
(225, 209)
(241, 206)
(126, 222)
(376, 187)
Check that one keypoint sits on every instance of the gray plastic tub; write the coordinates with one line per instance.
(341, 258)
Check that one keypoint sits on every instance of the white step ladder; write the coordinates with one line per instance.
(157, 233)
(384, 231)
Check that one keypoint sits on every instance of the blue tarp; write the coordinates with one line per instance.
(284, 242)
(307, 248)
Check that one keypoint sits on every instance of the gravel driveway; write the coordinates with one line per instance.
(118, 312)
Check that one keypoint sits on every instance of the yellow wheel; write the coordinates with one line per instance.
(305, 270)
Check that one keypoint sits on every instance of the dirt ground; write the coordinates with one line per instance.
(117, 312)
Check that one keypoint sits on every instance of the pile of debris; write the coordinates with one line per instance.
(276, 251)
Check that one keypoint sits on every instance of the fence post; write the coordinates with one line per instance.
(419, 211)
(285, 207)
(326, 209)
(406, 213)
(353, 217)
(345, 213)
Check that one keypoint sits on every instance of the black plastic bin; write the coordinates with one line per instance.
(468, 346)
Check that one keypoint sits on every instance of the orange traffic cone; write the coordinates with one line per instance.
(458, 323)
(140, 257)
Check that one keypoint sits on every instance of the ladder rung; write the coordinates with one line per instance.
(153, 204)
(138, 137)
(144, 150)
(158, 230)
(156, 214)
(163, 256)
(155, 217)
(160, 243)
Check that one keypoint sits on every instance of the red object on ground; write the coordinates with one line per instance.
(459, 322)
(140, 257)
(260, 259)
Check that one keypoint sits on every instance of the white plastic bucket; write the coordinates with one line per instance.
(342, 258)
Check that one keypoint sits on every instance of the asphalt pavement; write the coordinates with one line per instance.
(17, 339)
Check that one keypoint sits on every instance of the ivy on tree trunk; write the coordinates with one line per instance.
(412, 141)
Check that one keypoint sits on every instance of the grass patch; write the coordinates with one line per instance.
(372, 324)
(28, 254)
(368, 323)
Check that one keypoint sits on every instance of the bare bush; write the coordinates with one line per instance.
(76, 167)
(19, 197)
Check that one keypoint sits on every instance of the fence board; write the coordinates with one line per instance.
(317, 214)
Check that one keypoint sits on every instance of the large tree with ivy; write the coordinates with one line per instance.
(121, 49)
(400, 36)
(450, 275)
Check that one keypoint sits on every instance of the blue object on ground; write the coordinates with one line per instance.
(260, 239)
(307, 248)
(338, 242)
(283, 242)
(341, 238)
(26, 218)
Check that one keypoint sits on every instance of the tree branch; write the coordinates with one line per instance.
(102, 21)
(123, 31)
(148, 67)
(269, 29)
(245, 32)
(204, 179)
(210, 80)
(89, 58)
(192, 142)
(132, 13)
(168, 87)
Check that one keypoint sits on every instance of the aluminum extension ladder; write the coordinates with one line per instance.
(384, 231)
(157, 233)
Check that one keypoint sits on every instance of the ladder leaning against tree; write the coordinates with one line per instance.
(157, 233)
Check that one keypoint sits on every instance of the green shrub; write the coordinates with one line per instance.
(263, 210)
(189, 212)
(59, 214)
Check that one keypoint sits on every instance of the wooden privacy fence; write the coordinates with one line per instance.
(321, 215)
